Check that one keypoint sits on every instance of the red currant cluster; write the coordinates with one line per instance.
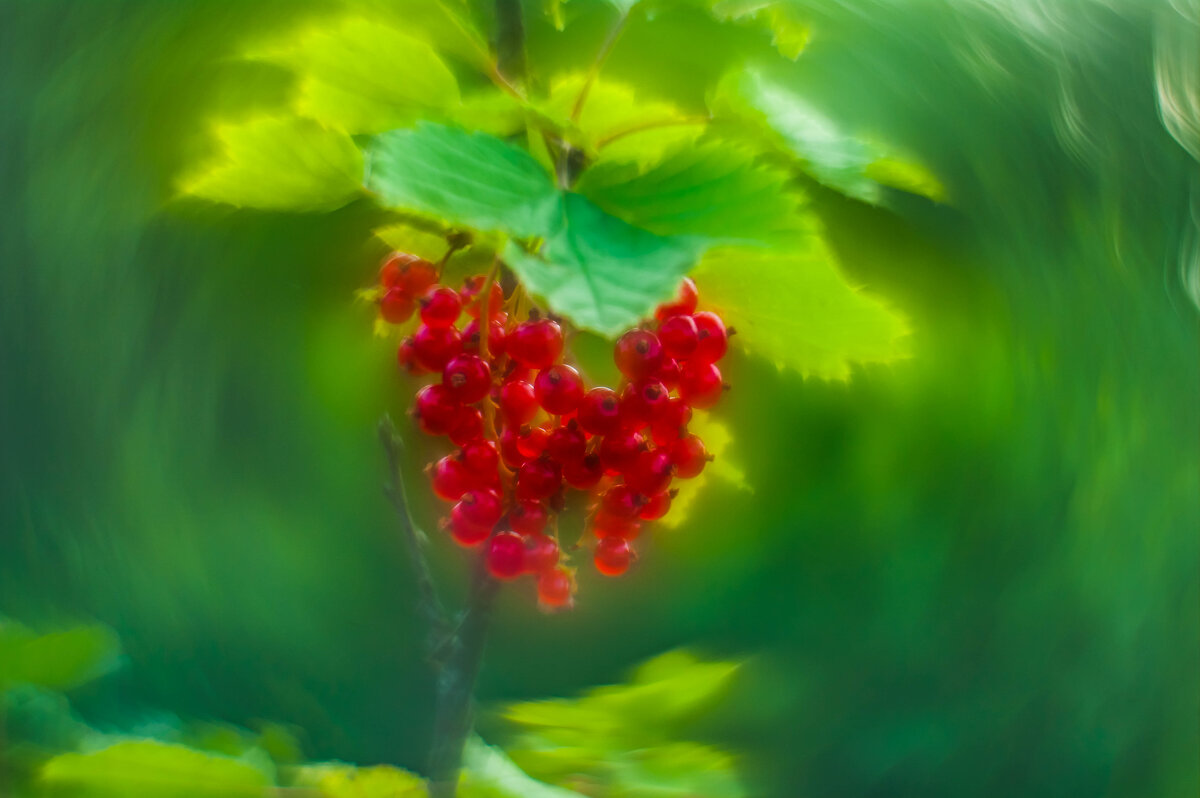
(527, 428)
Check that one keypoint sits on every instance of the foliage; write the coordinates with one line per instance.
(54, 660)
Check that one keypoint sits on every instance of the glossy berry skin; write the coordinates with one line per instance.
(700, 385)
(613, 556)
(541, 553)
(506, 556)
(621, 501)
(638, 354)
(656, 506)
(528, 517)
(406, 357)
(689, 455)
(472, 302)
(554, 588)
(434, 346)
(584, 473)
(684, 302)
(600, 411)
(480, 457)
(510, 451)
(468, 378)
(435, 409)
(408, 272)
(466, 427)
(670, 422)
(679, 336)
(495, 341)
(559, 389)
(652, 472)
(712, 339)
(538, 479)
(464, 532)
(517, 402)
(450, 480)
(392, 271)
(440, 307)
(619, 451)
(607, 525)
(641, 402)
(566, 444)
(536, 344)
(531, 441)
(396, 306)
(482, 507)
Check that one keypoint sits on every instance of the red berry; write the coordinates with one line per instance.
(656, 506)
(495, 342)
(712, 340)
(670, 422)
(436, 409)
(510, 451)
(470, 296)
(541, 553)
(554, 588)
(481, 507)
(406, 356)
(440, 307)
(683, 303)
(566, 444)
(434, 346)
(464, 532)
(467, 426)
(679, 336)
(559, 389)
(600, 411)
(418, 275)
(700, 384)
(506, 555)
(391, 272)
(531, 441)
(518, 403)
(583, 473)
(641, 402)
(652, 472)
(668, 373)
(396, 306)
(450, 480)
(468, 378)
(538, 479)
(638, 354)
(607, 525)
(621, 501)
(528, 517)
(536, 344)
(619, 451)
(689, 455)
(613, 556)
(480, 457)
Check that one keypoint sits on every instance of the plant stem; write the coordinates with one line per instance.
(598, 64)
(456, 685)
(510, 40)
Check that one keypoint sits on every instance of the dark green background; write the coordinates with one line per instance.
(974, 572)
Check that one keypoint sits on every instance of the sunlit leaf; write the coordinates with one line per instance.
(362, 76)
(906, 175)
(795, 309)
(336, 780)
(407, 238)
(789, 32)
(469, 179)
(280, 164)
(57, 660)
(151, 769)
(601, 272)
(716, 437)
(489, 773)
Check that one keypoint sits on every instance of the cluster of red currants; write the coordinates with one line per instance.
(527, 428)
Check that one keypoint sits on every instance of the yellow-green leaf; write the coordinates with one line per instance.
(336, 780)
(789, 33)
(407, 238)
(906, 175)
(716, 437)
(279, 164)
(57, 660)
(795, 308)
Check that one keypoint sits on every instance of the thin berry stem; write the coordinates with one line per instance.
(610, 41)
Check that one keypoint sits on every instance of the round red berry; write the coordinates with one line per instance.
(506, 555)
(689, 455)
(435, 409)
(510, 450)
(607, 525)
(566, 444)
(621, 501)
(651, 472)
(480, 457)
(559, 389)
(638, 354)
(464, 532)
(517, 402)
(656, 506)
(700, 384)
(641, 402)
(683, 303)
(406, 357)
(528, 517)
(670, 422)
(584, 473)
(541, 553)
(418, 275)
(711, 339)
(619, 451)
(468, 378)
(482, 507)
(434, 346)
(554, 588)
(679, 336)
(472, 302)
(600, 411)
(531, 441)
(467, 426)
(440, 306)
(450, 480)
(396, 306)
(612, 556)
(538, 479)
(495, 342)
(668, 373)
(536, 344)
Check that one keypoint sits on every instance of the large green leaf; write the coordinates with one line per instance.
(279, 164)
(469, 179)
(58, 660)
(718, 191)
(717, 438)
(794, 308)
(151, 769)
(601, 272)
(855, 165)
(362, 76)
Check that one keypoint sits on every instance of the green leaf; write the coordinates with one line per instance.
(58, 660)
(789, 33)
(795, 309)
(468, 179)
(854, 165)
(489, 773)
(336, 780)
(601, 272)
(279, 164)
(361, 76)
(151, 769)
(717, 191)
(407, 238)
(716, 437)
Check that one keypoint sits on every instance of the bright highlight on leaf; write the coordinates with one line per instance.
(406, 238)
(335, 780)
(279, 164)
(716, 437)
(795, 309)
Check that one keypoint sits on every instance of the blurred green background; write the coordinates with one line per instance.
(973, 572)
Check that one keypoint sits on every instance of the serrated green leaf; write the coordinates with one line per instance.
(337, 780)
(717, 191)
(468, 179)
(58, 660)
(832, 156)
(602, 273)
(279, 164)
(716, 437)
(358, 75)
(795, 309)
(151, 769)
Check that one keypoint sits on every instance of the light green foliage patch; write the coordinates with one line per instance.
(55, 660)
(337, 780)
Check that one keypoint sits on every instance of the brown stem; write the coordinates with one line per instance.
(653, 124)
